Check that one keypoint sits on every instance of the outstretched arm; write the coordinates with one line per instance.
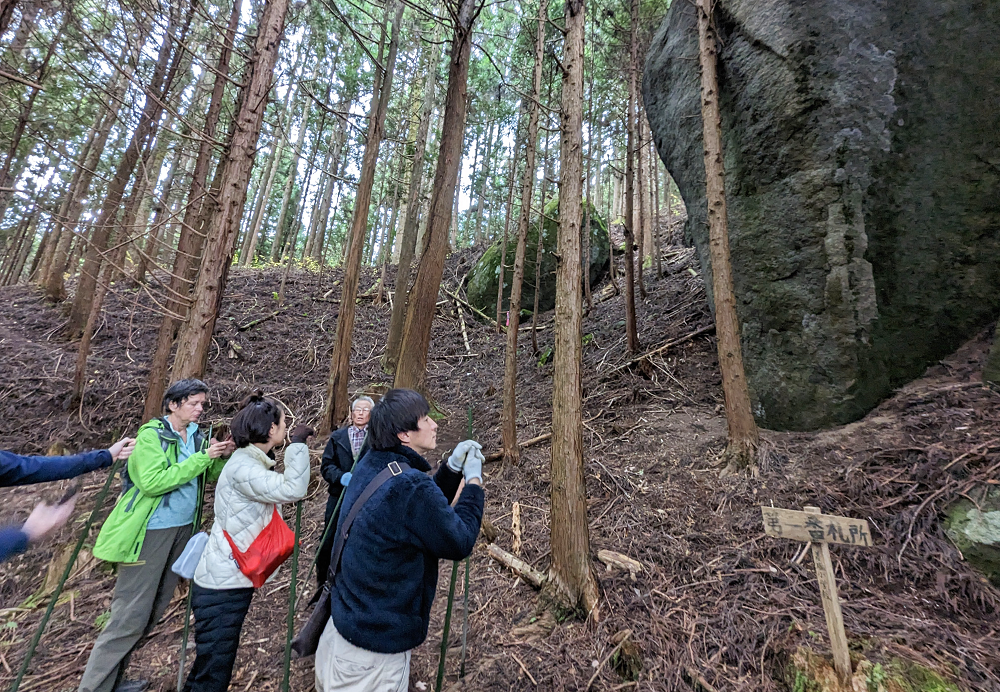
(22, 470)
(264, 485)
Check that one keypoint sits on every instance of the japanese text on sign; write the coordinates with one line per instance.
(816, 528)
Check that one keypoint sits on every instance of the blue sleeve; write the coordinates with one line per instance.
(448, 481)
(19, 470)
(12, 541)
(447, 532)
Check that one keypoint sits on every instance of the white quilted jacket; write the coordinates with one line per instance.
(245, 497)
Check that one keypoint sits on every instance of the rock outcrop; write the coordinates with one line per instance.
(975, 531)
(484, 276)
(862, 153)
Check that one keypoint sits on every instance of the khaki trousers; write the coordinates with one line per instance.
(142, 593)
(343, 667)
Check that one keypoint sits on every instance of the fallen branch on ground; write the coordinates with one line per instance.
(254, 323)
(613, 559)
(623, 637)
(516, 564)
(660, 349)
(497, 456)
(474, 309)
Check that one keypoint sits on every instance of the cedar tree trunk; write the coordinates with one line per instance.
(744, 439)
(570, 573)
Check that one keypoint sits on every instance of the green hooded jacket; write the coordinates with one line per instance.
(152, 471)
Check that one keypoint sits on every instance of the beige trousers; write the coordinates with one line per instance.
(343, 667)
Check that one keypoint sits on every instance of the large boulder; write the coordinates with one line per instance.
(485, 274)
(862, 155)
(991, 372)
(975, 530)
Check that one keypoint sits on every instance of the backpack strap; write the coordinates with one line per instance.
(393, 469)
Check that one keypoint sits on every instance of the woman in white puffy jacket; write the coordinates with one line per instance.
(246, 496)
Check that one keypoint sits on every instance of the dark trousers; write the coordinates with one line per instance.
(326, 547)
(218, 619)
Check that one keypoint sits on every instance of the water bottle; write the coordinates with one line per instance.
(186, 564)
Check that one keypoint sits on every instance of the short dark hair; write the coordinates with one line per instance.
(400, 410)
(181, 390)
(254, 420)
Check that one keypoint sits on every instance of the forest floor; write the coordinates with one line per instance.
(717, 605)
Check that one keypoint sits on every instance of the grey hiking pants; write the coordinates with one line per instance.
(142, 592)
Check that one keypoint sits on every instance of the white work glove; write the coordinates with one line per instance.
(473, 468)
(457, 459)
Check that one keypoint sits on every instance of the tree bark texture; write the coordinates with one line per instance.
(59, 226)
(163, 75)
(337, 404)
(191, 238)
(408, 241)
(195, 336)
(280, 236)
(645, 243)
(570, 573)
(508, 418)
(509, 207)
(743, 435)
(412, 368)
(631, 331)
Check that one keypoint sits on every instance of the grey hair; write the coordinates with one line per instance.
(361, 398)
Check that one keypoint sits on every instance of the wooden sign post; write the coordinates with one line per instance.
(820, 530)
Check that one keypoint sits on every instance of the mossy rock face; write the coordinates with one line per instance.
(976, 532)
(991, 373)
(485, 274)
(810, 672)
(862, 159)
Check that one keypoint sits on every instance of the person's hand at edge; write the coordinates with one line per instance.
(217, 450)
(458, 458)
(301, 433)
(345, 479)
(45, 518)
(122, 448)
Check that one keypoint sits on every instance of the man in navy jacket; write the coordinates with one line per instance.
(20, 470)
(384, 586)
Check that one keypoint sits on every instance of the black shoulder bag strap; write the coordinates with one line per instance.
(307, 640)
(393, 469)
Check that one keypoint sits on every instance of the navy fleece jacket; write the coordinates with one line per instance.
(19, 470)
(382, 594)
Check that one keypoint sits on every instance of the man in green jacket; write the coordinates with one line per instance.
(162, 487)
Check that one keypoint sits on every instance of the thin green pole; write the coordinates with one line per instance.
(447, 627)
(290, 633)
(328, 528)
(62, 580)
(465, 590)
(465, 621)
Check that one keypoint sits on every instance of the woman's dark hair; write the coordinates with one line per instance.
(181, 390)
(254, 420)
(398, 411)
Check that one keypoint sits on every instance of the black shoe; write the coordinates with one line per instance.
(133, 686)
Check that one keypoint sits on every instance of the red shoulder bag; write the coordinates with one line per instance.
(269, 549)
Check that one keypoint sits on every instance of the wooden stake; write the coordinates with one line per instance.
(831, 605)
